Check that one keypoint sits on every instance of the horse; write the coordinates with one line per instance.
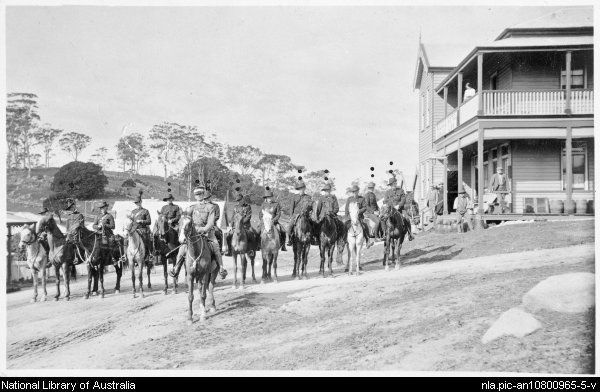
(37, 258)
(328, 236)
(342, 241)
(61, 252)
(164, 241)
(243, 242)
(136, 254)
(269, 247)
(302, 237)
(200, 265)
(90, 242)
(356, 237)
(114, 255)
(396, 228)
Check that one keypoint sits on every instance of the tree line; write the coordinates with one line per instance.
(185, 152)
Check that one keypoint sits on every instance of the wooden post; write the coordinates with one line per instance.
(9, 258)
(459, 154)
(568, 84)
(445, 182)
(459, 94)
(445, 101)
(569, 165)
(480, 82)
(480, 171)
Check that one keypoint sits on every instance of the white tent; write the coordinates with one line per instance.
(122, 207)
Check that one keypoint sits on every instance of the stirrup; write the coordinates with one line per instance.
(223, 273)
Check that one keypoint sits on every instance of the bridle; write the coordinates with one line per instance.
(193, 239)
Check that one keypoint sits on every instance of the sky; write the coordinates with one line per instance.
(332, 87)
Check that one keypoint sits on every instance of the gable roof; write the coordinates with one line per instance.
(571, 18)
(438, 57)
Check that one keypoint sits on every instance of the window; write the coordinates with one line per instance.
(580, 171)
(577, 79)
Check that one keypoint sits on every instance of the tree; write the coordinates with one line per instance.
(132, 148)
(164, 144)
(46, 136)
(243, 159)
(21, 123)
(81, 180)
(74, 143)
(316, 179)
(211, 172)
(100, 156)
(277, 170)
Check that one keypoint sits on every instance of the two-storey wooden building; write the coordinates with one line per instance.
(532, 114)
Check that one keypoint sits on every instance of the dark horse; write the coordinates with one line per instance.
(61, 253)
(112, 253)
(88, 246)
(328, 236)
(396, 228)
(302, 236)
(201, 266)
(164, 241)
(244, 242)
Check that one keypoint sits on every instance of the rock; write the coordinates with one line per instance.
(566, 293)
(514, 322)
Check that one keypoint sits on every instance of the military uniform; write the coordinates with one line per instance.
(274, 209)
(396, 198)
(300, 204)
(74, 221)
(172, 213)
(204, 217)
(372, 212)
(371, 201)
(105, 223)
(244, 211)
(141, 218)
(362, 208)
(327, 205)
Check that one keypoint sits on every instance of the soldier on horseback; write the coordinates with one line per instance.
(362, 207)
(171, 212)
(372, 212)
(396, 198)
(218, 231)
(75, 221)
(243, 210)
(273, 208)
(204, 216)
(142, 220)
(301, 203)
(327, 203)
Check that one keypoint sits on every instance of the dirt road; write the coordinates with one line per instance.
(428, 315)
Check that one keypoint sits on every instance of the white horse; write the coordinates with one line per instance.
(136, 251)
(356, 239)
(37, 258)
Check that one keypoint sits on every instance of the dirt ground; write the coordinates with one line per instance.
(428, 315)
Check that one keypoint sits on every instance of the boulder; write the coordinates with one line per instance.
(566, 293)
(514, 322)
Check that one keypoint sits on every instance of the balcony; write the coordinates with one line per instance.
(517, 103)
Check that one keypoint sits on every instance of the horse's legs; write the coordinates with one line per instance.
(269, 259)
(211, 295)
(252, 265)
(44, 276)
(119, 271)
(235, 255)
(165, 263)
(148, 270)
(296, 270)
(141, 277)
(190, 282)
(400, 241)
(305, 260)
(101, 278)
(132, 267)
(67, 275)
(330, 261)
(358, 250)
(273, 260)
(244, 262)
(90, 277)
(322, 251)
(57, 275)
(202, 282)
(35, 274)
(265, 275)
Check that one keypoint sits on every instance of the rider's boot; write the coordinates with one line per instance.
(223, 271)
(289, 236)
(282, 239)
(177, 267)
(228, 244)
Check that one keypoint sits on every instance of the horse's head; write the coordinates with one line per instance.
(27, 236)
(267, 221)
(185, 228)
(161, 225)
(237, 222)
(353, 211)
(128, 225)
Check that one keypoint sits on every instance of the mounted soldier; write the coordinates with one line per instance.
(327, 204)
(372, 212)
(243, 210)
(274, 209)
(395, 197)
(362, 207)
(172, 213)
(301, 203)
(104, 223)
(204, 217)
(41, 236)
(142, 220)
(218, 231)
(75, 221)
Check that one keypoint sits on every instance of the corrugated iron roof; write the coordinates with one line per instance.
(563, 18)
(541, 41)
(446, 55)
